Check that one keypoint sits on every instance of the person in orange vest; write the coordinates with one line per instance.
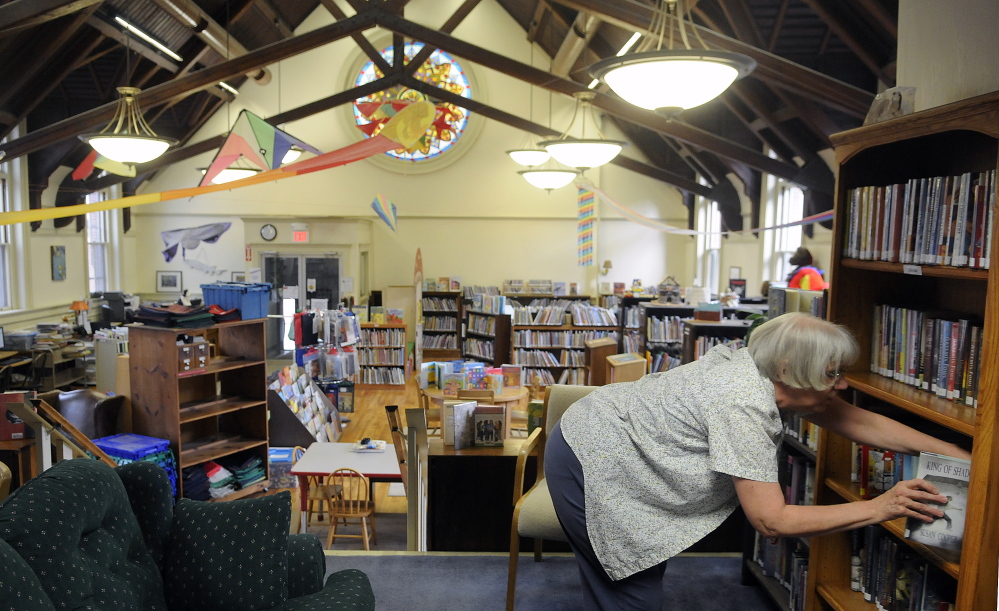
(805, 276)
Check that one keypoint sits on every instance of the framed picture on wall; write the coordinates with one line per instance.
(58, 262)
(169, 282)
(238, 277)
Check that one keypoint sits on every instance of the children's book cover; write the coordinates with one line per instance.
(512, 376)
(489, 425)
(950, 475)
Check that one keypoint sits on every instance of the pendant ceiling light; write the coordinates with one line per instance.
(128, 138)
(530, 153)
(671, 80)
(549, 176)
(583, 153)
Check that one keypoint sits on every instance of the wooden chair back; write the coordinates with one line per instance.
(5, 478)
(399, 441)
(319, 490)
(353, 505)
(434, 413)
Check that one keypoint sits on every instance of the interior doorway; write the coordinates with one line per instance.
(296, 281)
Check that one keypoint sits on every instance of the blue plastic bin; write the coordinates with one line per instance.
(250, 297)
(131, 445)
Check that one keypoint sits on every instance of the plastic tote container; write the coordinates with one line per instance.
(131, 445)
(250, 297)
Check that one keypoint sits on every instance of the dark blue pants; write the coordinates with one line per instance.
(642, 591)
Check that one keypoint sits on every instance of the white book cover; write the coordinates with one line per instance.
(447, 431)
(950, 475)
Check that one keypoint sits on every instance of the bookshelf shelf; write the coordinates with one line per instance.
(382, 341)
(913, 152)
(489, 331)
(441, 316)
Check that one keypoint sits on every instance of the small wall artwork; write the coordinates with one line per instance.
(168, 282)
(58, 262)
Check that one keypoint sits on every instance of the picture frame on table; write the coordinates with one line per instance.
(169, 282)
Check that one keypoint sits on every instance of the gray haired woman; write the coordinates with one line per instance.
(640, 471)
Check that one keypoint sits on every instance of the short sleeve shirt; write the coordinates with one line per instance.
(658, 455)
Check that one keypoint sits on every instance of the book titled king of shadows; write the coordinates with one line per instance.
(950, 475)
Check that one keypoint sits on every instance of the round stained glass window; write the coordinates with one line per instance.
(440, 70)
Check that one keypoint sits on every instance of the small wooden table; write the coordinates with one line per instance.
(509, 398)
(323, 458)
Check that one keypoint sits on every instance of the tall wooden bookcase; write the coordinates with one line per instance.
(442, 319)
(206, 413)
(948, 140)
(486, 333)
(382, 354)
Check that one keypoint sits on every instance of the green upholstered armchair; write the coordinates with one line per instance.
(85, 535)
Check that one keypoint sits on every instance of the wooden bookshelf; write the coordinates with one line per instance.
(723, 330)
(944, 141)
(382, 354)
(209, 413)
(568, 351)
(442, 318)
(487, 338)
(655, 345)
(629, 318)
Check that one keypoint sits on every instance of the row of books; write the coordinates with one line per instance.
(663, 361)
(632, 317)
(486, 325)
(440, 323)
(382, 356)
(664, 329)
(585, 314)
(877, 470)
(707, 342)
(383, 337)
(941, 220)
(632, 342)
(893, 577)
(383, 375)
(488, 304)
(532, 338)
(440, 304)
(451, 376)
(531, 287)
(470, 423)
(480, 348)
(535, 358)
(471, 291)
(939, 352)
(440, 342)
(802, 430)
(784, 560)
(781, 300)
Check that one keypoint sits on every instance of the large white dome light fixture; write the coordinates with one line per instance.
(583, 153)
(669, 81)
(128, 138)
(548, 178)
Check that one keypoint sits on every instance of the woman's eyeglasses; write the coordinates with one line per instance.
(836, 374)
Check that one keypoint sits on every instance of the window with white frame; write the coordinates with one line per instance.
(6, 250)
(709, 236)
(98, 244)
(786, 204)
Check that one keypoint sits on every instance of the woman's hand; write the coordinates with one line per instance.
(909, 499)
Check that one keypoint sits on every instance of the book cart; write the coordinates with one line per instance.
(442, 319)
(945, 141)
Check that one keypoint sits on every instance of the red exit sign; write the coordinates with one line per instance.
(300, 236)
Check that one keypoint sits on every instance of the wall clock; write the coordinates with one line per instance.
(268, 232)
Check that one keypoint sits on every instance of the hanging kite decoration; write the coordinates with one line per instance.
(584, 228)
(96, 160)
(255, 144)
(403, 130)
(386, 210)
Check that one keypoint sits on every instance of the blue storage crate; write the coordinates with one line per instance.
(131, 445)
(250, 297)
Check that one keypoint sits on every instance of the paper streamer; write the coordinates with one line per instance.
(636, 217)
(584, 228)
(413, 120)
(386, 210)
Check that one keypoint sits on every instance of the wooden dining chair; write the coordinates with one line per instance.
(319, 491)
(353, 506)
(399, 441)
(434, 413)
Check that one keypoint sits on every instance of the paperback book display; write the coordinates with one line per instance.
(490, 429)
(308, 402)
(950, 475)
(452, 376)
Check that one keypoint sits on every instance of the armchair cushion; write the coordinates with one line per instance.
(306, 565)
(151, 498)
(231, 555)
(537, 514)
(350, 589)
(20, 588)
(73, 526)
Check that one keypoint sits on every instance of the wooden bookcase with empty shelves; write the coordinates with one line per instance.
(208, 410)
(382, 355)
(442, 319)
(950, 140)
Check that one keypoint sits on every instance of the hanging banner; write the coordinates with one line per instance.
(584, 228)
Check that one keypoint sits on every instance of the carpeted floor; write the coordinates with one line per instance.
(463, 582)
(390, 528)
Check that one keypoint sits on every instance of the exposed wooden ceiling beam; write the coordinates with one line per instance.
(847, 35)
(759, 108)
(540, 13)
(496, 114)
(742, 21)
(634, 16)
(576, 41)
(449, 26)
(811, 115)
(118, 35)
(650, 120)
(778, 25)
(19, 14)
(69, 128)
(274, 18)
(877, 12)
(362, 42)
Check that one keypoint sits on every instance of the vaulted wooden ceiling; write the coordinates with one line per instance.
(819, 63)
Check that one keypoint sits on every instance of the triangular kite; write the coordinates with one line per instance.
(258, 143)
(96, 160)
(386, 210)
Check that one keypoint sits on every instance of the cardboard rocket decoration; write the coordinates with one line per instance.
(386, 210)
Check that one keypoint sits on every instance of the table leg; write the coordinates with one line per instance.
(303, 500)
